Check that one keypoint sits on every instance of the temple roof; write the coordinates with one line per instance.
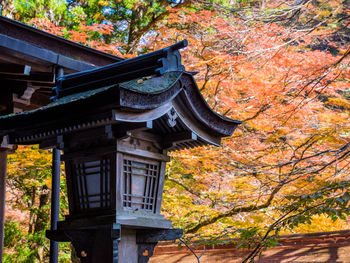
(148, 85)
(151, 91)
(29, 62)
(67, 50)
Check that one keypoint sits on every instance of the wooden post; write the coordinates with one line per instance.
(3, 166)
(5, 148)
(55, 194)
(55, 201)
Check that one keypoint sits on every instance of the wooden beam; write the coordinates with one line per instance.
(42, 77)
(22, 49)
(120, 130)
(155, 235)
(56, 142)
(147, 136)
(18, 86)
(142, 153)
(15, 69)
(66, 48)
(8, 58)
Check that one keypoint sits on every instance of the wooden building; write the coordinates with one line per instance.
(30, 60)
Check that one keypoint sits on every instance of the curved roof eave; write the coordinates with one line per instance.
(227, 125)
(186, 92)
(181, 94)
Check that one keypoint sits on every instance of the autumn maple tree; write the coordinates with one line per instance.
(291, 93)
(282, 68)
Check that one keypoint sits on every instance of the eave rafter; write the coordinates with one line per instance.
(32, 77)
(164, 101)
(14, 69)
(173, 134)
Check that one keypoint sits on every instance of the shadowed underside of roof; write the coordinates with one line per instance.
(29, 63)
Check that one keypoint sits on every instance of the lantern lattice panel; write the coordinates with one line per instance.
(140, 184)
(92, 179)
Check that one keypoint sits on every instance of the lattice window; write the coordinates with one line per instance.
(92, 180)
(140, 185)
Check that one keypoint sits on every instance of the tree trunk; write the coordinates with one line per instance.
(42, 217)
(31, 213)
(133, 40)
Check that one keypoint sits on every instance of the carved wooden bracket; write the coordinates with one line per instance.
(5, 146)
(148, 239)
(172, 116)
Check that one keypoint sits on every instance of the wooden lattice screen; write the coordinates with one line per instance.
(92, 179)
(140, 184)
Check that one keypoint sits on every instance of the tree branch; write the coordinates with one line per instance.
(235, 211)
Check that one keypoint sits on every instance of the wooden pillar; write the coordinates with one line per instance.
(3, 166)
(55, 194)
(55, 201)
(5, 149)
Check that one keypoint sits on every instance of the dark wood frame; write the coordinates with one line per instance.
(70, 52)
(74, 211)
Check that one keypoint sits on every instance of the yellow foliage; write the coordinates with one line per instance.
(321, 223)
(339, 102)
(103, 3)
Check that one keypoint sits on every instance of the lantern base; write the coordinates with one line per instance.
(92, 245)
(113, 244)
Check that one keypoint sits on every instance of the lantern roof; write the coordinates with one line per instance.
(152, 92)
